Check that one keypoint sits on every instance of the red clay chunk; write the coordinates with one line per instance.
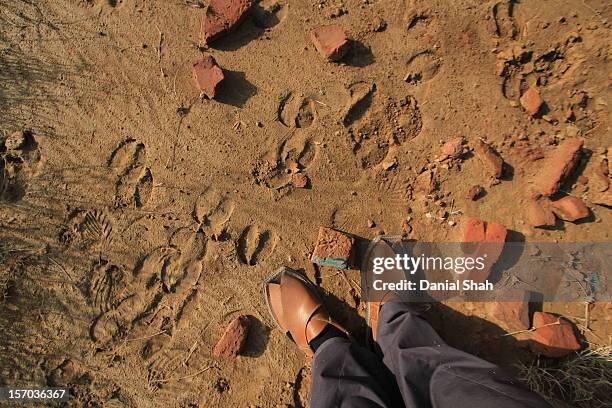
(452, 149)
(570, 208)
(485, 240)
(538, 215)
(223, 16)
(491, 160)
(531, 101)
(558, 166)
(330, 41)
(299, 180)
(208, 75)
(552, 339)
(513, 310)
(233, 339)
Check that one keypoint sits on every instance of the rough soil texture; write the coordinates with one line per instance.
(141, 219)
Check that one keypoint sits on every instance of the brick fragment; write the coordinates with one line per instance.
(223, 16)
(330, 41)
(553, 336)
(207, 75)
(570, 208)
(558, 166)
(486, 240)
(300, 180)
(452, 149)
(334, 248)
(531, 101)
(491, 160)
(233, 339)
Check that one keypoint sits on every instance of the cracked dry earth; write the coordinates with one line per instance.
(139, 219)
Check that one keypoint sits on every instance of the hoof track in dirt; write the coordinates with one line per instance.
(359, 100)
(296, 111)
(134, 179)
(422, 66)
(19, 162)
(292, 156)
(384, 126)
(109, 286)
(503, 18)
(255, 244)
(88, 230)
(212, 211)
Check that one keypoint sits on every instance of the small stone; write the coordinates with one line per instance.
(299, 180)
(570, 208)
(208, 75)
(452, 149)
(512, 309)
(334, 248)
(233, 339)
(531, 101)
(378, 24)
(553, 336)
(223, 16)
(539, 215)
(371, 224)
(558, 166)
(491, 160)
(330, 41)
(474, 192)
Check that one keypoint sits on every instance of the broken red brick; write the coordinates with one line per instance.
(330, 41)
(539, 215)
(531, 101)
(208, 75)
(491, 160)
(223, 16)
(233, 339)
(513, 309)
(452, 149)
(474, 192)
(333, 248)
(570, 208)
(553, 336)
(558, 166)
(483, 239)
(299, 180)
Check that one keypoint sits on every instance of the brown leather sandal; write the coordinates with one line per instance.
(296, 307)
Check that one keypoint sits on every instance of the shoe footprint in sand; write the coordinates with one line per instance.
(167, 274)
(293, 155)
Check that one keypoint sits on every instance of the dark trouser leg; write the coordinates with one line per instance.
(430, 373)
(346, 375)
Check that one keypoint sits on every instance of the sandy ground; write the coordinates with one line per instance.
(132, 187)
